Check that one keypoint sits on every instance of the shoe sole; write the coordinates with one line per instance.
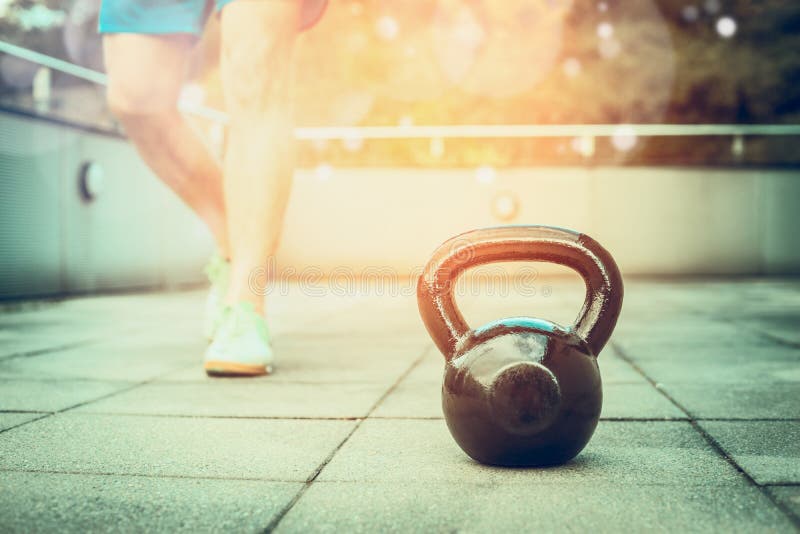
(220, 368)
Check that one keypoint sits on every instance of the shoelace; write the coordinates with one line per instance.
(237, 323)
(240, 321)
(215, 267)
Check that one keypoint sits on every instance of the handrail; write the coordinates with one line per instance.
(544, 130)
(464, 131)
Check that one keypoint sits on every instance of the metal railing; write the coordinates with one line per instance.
(464, 131)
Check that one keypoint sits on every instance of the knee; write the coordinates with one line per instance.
(136, 102)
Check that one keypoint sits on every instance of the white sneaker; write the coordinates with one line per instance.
(217, 270)
(241, 344)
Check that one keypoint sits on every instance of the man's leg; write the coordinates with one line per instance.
(146, 73)
(257, 43)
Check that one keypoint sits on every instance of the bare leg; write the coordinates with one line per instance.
(257, 43)
(145, 77)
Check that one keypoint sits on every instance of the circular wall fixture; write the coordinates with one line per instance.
(505, 206)
(91, 180)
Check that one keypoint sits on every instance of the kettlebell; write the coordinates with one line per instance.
(521, 391)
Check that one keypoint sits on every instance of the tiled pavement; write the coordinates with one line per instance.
(108, 423)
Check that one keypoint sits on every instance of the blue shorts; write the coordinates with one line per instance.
(177, 16)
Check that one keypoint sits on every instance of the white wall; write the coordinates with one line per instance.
(654, 221)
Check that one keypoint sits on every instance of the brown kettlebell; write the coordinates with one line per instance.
(521, 391)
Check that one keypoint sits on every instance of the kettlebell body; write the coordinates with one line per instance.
(521, 391)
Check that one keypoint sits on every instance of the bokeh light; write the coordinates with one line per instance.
(726, 27)
(436, 147)
(690, 13)
(356, 9)
(605, 30)
(320, 145)
(405, 121)
(624, 138)
(572, 67)
(216, 135)
(505, 206)
(387, 27)
(323, 172)
(485, 174)
(193, 94)
(353, 143)
(584, 145)
(737, 146)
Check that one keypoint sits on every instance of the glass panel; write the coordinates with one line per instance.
(66, 31)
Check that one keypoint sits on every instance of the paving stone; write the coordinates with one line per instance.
(412, 400)
(283, 450)
(783, 324)
(789, 496)
(637, 401)
(701, 347)
(689, 332)
(366, 318)
(398, 450)
(52, 395)
(76, 322)
(737, 401)
(685, 350)
(135, 305)
(419, 394)
(414, 506)
(25, 341)
(763, 365)
(292, 310)
(430, 368)
(707, 343)
(131, 358)
(769, 451)
(11, 419)
(49, 502)
(372, 318)
(771, 310)
(244, 398)
(341, 360)
(615, 370)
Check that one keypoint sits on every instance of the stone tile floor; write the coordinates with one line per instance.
(107, 421)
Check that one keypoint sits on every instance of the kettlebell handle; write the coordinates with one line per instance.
(604, 290)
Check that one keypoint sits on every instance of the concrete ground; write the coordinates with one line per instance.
(107, 421)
